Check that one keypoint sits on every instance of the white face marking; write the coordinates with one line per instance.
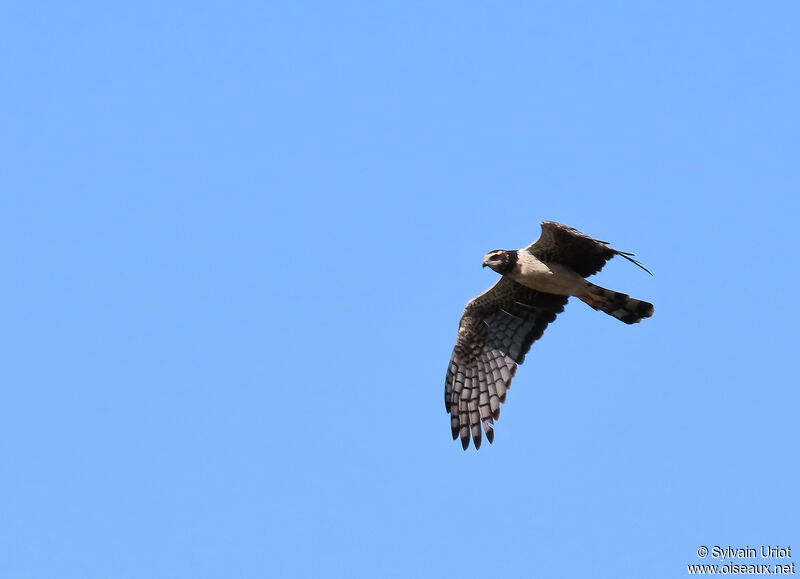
(494, 258)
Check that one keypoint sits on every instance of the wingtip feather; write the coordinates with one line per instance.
(629, 256)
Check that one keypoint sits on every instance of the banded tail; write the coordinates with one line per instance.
(621, 306)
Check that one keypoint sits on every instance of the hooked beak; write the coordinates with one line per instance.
(484, 262)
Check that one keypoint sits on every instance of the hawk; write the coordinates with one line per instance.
(498, 327)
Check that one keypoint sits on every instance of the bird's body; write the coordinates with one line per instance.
(499, 326)
(548, 277)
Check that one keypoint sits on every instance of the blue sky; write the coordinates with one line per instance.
(237, 239)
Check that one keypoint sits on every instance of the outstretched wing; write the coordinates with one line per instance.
(568, 246)
(496, 331)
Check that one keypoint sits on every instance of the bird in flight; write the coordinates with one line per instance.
(498, 327)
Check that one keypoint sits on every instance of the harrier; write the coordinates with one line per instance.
(498, 327)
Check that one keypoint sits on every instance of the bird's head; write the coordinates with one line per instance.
(500, 260)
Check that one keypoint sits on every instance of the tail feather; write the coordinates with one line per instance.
(621, 306)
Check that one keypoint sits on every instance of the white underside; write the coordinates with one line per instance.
(551, 278)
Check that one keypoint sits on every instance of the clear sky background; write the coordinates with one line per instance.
(236, 239)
